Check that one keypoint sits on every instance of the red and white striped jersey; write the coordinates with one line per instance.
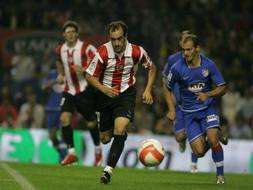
(80, 54)
(114, 71)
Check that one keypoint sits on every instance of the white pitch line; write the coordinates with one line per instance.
(23, 182)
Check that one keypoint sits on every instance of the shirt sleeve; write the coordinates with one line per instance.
(90, 52)
(167, 68)
(58, 53)
(95, 66)
(216, 75)
(145, 59)
(173, 78)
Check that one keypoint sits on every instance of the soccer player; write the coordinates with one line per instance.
(112, 71)
(180, 134)
(53, 111)
(73, 57)
(199, 82)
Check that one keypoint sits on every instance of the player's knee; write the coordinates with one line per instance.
(91, 124)
(199, 153)
(213, 144)
(120, 131)
(105, 140)
(180, 139)
(65, 120)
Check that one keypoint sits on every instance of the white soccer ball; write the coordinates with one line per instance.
(151, 152)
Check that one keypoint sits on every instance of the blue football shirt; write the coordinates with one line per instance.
(193, 80)
(172, 59)
(54, 100)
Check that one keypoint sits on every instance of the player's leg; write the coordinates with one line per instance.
(67, 109)
(181, 139)
(194, 163)
(195, 134)
(222, 138)
(198, 146)
(196, 138)
(53, 123)
(123, 113)
(180, 134)
(94, 132)
(52, 129)
(217, 153)
(86, 105)
(106, 136)
(223, 132)
(211, 124)
(68, 136)
(117, 147)
(106, 128)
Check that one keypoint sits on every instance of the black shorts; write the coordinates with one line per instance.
(111, 108)
(84, 103)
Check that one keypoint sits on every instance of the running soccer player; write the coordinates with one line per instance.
(196, 75)
(112, 71)
(53, 112)
(73, 57)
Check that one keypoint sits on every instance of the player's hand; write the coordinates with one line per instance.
(111, 92)
(171, 116)
(78, 69)
(202, 96)
(60, 79)
(147, 97)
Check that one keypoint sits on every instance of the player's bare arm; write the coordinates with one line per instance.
(60, 69)
(147, 95)
(111, 92)
(171, 115)
(166, 93)
(218, 91)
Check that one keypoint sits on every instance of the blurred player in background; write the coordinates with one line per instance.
(53, 111)
(112, 71)
(73, 57)
(196, 75)
(179, 130)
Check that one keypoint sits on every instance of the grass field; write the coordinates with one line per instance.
(20, 176)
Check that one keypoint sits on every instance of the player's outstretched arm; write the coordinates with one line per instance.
(166, 92)
(147, 95)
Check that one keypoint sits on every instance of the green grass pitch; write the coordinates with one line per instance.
(55, 177)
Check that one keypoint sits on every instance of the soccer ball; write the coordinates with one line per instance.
(151, 152)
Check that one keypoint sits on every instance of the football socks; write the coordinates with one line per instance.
(67, 133)
(217, 154)
(116, 150)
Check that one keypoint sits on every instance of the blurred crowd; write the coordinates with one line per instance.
(226, 34)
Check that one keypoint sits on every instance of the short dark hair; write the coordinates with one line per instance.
(194, 38)
(70, 23)
(115, 25)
